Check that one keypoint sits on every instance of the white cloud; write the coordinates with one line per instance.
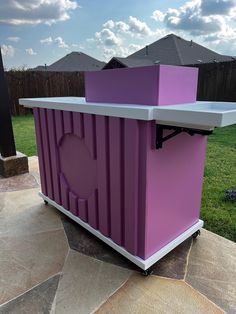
(158, 16)
(227, 34)
(91, 40)
(14, 39)
(223, 41)
(122, 26)
(109, 24)
(30, 51)
(138, 27)
(111, 45)
(134, 47)
(18, 12)
(75, 45)
(47, 40)
(115, 37)
(59, 41)
(120, 51)
(198, 17)
(108, 53)
(216, 7)
(189, 18)
(232, 14)
(8, 50)
(107, 37)
(133, 27)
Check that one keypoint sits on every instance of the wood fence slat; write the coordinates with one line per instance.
(30, 84)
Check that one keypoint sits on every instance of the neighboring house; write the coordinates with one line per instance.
(170, 49)
(39, 68)
(74, 61)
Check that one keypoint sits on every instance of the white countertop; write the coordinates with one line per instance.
(204, 115)
(79, 104)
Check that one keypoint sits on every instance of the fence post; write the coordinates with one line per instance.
(7, 143)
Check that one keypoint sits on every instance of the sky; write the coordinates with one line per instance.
(38, 32)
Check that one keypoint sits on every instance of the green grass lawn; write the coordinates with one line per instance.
(218, 214)
(24, 132)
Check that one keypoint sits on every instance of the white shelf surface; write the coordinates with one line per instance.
(202, 115)
(79, 104)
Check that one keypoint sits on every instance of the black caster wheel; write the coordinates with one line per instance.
(147, 272)
(45, 202)
(196, 234)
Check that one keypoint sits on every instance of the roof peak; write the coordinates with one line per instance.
(75, 52)
(172, 35)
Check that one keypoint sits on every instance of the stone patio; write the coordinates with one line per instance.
(49, 264)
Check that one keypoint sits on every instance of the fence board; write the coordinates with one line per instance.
(217, 81)
(24, 84)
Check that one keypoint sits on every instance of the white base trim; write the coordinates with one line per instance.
(143, 264)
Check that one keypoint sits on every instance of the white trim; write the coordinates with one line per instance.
(143, 264)
(206, 114)
(79, 104)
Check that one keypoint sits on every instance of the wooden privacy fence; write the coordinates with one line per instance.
(217, 81)
(24, 84)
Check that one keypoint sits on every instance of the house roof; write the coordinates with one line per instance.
(39, 68)
(130, 62)
(74, 61)
(174, 50)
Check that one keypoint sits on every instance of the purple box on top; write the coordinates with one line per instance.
(149, 85)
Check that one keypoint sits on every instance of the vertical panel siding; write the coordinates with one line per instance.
(131, 184)
(54, 155)
(93, 210)
(73, 203)
(90, 208)
(103, 174)
(116, 169)
(64, 192)
(67, 120)
(46, 151)
(40, 153)
(89, 133)
(78, 123)
(142, 183)
(59, 125)
(83, 209)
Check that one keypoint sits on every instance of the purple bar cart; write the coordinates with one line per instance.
(128, 163)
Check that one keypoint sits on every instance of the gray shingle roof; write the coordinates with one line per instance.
(74, 61)
(134, 62)
(174, 50)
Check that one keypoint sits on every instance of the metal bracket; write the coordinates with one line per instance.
(160, 139)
